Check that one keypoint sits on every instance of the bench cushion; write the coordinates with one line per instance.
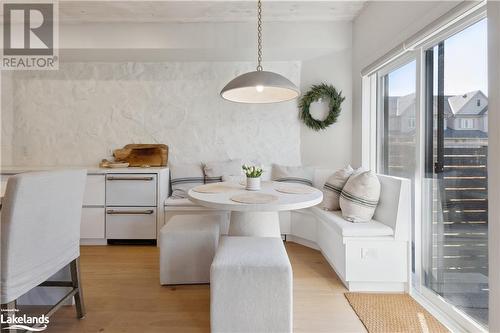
(348, 229)
(184, 202)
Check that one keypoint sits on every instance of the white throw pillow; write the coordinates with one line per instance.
(217, 170)
(184, 177)
(359, 197)
(333, 187)
(293, 174)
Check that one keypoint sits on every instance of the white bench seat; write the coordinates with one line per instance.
(187, 247)
(251, 286)
(179, 202)
(345, 228)
(369, 256)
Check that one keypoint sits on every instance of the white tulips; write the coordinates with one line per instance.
(252, 171)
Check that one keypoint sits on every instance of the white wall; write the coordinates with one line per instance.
(330, 147)
(122, 83)
(203, 41)
(379, 27)
(494, 163)
(6, 117)
(75, 115)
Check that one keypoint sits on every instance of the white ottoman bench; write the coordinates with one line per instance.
(251, 286)
(187, 248)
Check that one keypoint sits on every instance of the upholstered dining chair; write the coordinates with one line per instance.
(40, 234)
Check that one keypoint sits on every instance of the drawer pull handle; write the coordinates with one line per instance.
(129, 178)
(130, 212)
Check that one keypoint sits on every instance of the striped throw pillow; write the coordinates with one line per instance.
(293, 174)
(218, 171)
(333, 187)
(360, 196)
(184, 177)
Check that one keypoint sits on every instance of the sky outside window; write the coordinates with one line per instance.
(466, 64)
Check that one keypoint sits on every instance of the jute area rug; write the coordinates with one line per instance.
(391, 313)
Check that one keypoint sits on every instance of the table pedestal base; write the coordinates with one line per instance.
(255, 224)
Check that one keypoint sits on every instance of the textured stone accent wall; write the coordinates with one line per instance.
(76, 115)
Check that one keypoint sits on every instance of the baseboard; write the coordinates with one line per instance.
(376, 286)
(302, 241)
(93, 241)
(340, 276)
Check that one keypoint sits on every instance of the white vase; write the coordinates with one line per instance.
(253, 184)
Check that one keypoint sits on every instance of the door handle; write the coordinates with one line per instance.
(438, 167)
(130, 212)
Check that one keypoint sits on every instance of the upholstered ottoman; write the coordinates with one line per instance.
(251, 286)
(187, 248)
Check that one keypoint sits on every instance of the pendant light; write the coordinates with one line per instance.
(260, 86)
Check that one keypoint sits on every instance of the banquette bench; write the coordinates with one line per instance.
(369, 256)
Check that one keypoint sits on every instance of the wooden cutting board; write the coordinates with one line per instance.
(143, 154)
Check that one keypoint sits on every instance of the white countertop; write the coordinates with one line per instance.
(12, 170)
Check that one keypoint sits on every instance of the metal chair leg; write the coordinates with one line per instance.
(75, 279)
(8, 311)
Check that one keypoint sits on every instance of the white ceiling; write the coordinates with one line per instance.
(206, 11)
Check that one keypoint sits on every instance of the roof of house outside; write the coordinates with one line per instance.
(454, 104)
(465, 104)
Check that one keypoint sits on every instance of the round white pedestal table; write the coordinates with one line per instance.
(255, 219)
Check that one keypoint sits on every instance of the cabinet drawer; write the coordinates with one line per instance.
(94, 191)
(131, 190)
(131, 223)
(92, 225)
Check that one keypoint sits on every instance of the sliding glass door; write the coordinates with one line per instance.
(455, 225)
(432, 127)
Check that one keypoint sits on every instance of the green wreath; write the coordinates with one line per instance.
(317, 92)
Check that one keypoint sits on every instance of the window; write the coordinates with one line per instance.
(397, 139)
(411, 123)
(466, 123)
(397, 121)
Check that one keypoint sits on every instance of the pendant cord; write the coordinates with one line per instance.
(259, 35)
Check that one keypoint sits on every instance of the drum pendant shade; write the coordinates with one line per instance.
(259, 86)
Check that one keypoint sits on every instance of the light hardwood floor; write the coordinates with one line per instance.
(123, 294)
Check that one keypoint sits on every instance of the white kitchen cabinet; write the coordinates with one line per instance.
(131, 190)
(118, 203)
(131, 223)
(93, 223)
(95, 193)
